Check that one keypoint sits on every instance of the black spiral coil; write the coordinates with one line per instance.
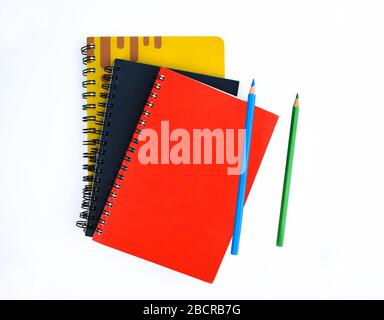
(127, 157)
(91, 155)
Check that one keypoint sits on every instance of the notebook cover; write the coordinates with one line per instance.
(200, 54)
(181, 216)
(130, 86)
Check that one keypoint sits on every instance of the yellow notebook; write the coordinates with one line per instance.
(200, 54)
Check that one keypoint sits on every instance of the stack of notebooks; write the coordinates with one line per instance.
(163, 136)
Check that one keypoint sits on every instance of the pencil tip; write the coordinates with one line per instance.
(296, 103)
(252, 90)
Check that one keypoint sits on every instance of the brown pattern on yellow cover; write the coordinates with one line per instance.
(157, 42)
(120, 42)
(105, 51)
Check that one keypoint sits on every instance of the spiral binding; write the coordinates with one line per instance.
(99, 119)
(127, 157)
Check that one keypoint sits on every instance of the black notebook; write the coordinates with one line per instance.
(130, 86)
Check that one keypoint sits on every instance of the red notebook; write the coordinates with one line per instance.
(181, 215)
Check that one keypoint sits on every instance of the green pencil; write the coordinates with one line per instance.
(288, 173)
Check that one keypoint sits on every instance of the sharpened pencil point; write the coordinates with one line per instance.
(296, 103)
(252, 90)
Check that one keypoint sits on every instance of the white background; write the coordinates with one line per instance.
(331, 52)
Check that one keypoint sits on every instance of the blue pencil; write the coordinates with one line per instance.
(244, 170)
